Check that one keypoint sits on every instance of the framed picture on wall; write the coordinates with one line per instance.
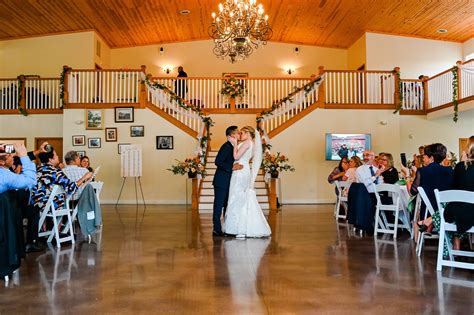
(164, 143)
(137, 131)
(111, 134)
(94, 119)
(124, 114)
(81, 153)
(78, 140)
(93, 143)
(122, 146)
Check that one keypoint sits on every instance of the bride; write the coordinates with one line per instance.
(244, 217)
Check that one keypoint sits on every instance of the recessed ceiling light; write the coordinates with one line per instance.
(184, 12)
(441, 30)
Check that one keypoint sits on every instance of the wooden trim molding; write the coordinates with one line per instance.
(359, 106)
(406, 112)
(292, 120)
(447, 105)
(31, 111)
(100, 105)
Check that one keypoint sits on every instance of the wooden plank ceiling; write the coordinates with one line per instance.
(331, 23)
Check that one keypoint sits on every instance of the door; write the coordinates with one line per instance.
(462, 147)
(56, 142)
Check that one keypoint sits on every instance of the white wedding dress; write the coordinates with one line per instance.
(244, 216)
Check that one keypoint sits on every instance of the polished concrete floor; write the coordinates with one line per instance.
(165, 261)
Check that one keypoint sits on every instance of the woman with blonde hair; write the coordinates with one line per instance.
(350, 174)
(244, 217)
(390, 175)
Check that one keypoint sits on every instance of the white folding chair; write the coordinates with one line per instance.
(442, 198)
(381, 223)
(429, 209)
(341, 199)
(97, 186)
(50, 211)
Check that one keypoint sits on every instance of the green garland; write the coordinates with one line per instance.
(21, 110)
(399, 104)
(308, 88)
(454, 70)
(62, 78)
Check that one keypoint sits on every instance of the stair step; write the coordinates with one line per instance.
(210, 191)
(208, 184)
(208, 206)
(212, 171)
(210, 178)
(210, 199)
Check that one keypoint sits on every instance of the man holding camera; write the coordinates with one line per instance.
(10, 180)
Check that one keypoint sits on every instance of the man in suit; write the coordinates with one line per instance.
(225, 166)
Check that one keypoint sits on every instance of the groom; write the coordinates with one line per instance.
(225, 166)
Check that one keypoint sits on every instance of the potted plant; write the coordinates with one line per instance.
(276, 163)
(190, 166)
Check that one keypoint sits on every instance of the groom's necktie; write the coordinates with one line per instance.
(372, 173)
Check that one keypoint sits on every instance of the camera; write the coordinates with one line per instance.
(48, 148)
(8, 148)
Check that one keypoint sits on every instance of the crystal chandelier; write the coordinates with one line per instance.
(239, 28)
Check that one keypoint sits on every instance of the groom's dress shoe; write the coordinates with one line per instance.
(214, 233)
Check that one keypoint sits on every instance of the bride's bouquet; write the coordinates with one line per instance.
(276, 163)
(191, 166)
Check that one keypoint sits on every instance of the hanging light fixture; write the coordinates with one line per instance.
(240, 27)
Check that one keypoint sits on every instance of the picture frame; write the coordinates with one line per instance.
(137, 131)
(94, 119)
(164, 143)
(94, 143)
(111, 134)
(121, 146)
(81, 153)
(78, 140)
(124, 114)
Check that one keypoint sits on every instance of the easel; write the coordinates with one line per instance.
(131, 166)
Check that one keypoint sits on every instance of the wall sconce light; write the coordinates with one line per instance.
(167, 70)
(290, 71)
(162, 50)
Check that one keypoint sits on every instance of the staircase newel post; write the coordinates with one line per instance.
(142, 98)
(321, 90)
(396, 94)
(232, 105)
(66, 85)
(458, 65)
(272, 194)
(424, 82)
(194, 195)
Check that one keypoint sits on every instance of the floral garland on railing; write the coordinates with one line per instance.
(62, 78)
(454, 70)
(21, 81)
(233, 88)
(399, 102)
(307, 88)
(176, 98)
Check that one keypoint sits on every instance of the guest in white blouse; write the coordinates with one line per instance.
(350, 174)
(368, 174)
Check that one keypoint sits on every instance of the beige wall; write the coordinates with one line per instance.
(104, 59)
(29, 127)
(468, 48)
(356, 54)
(46, 55)
(198, 60)
(159, 185)
(414, 56)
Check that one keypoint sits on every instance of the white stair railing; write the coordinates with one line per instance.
(467, 79)
(42, 93)
(359, 87)
(412, 94)
(291, 105)
(8, 93)
(103, 86)
(440, 89)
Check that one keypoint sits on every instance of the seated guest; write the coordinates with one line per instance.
(390, 174)
(464, 155)
(85, 162)
(430, 177)
(74, 171)
(367, 173)
(462, 214)
(339, 171)
(350, 174)
(49, 175)
(10, 180)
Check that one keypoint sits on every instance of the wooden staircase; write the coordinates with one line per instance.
(206, 198)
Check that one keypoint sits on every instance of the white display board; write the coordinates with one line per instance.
(131, 158)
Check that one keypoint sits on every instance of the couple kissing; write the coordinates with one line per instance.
(234, 181)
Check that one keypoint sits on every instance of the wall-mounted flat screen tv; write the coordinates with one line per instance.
(339, 145)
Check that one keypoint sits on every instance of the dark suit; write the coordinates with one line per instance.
(221, 182)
